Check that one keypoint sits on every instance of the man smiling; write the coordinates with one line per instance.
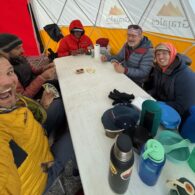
(136, 56)
(8, 85)
(27, 164)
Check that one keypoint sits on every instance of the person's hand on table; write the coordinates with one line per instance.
(77, 51)
(81, 51)
(74, 52)
(104, 58)
(118, 67)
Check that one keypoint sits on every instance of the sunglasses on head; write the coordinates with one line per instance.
(135, 26)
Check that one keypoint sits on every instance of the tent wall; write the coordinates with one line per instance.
(167, 20)
(15, 19)
(117, 38)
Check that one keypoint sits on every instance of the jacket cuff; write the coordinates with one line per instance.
(126, 70)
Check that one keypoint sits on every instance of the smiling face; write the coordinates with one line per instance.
(8, 83)
(162, 57)
(134, 37)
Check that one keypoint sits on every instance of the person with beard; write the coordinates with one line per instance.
(172, 80)
(31, 79)
(135, 59)
(76, 42)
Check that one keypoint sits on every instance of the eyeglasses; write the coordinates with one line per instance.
(173, 184)
(132, 36)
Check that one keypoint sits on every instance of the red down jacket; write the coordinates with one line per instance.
(70, 42)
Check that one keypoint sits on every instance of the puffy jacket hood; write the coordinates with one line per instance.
(146, 43)
(185, 59)
(181, 62)
(75, 24)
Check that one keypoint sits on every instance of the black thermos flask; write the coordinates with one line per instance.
(121, 164)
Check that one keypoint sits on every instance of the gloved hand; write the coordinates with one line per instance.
(119, 97)
(52, 55)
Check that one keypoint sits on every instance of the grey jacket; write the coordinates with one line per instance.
(138, 61)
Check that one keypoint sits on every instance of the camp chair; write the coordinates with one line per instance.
(103, 42)
(104, 47)
(54, 32)
(187, 130)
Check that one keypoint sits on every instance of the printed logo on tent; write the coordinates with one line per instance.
(169, 10)
(116, 11)
(116, 17)
(170, 17)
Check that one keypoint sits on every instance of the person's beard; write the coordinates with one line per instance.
(17, 60)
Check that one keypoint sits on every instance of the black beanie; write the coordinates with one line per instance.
(9, 42)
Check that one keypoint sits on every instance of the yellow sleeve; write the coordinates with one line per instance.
(9, 178)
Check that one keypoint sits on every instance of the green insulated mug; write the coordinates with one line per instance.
(150, 116)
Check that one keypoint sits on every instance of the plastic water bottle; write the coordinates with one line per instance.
(121, 164)
(151, 162)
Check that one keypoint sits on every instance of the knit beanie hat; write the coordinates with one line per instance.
(9, 42)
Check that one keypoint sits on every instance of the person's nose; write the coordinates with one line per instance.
(160, 55)
(22, 51)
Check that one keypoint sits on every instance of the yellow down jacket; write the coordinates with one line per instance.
(23, 147)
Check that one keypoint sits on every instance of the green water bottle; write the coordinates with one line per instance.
(150, 116)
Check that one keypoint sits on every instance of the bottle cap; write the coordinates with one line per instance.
(170, 118)
(151, 105)
(154, 150)
(123, 148)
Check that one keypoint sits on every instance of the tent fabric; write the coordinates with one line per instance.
(15, 19)
(168, 20)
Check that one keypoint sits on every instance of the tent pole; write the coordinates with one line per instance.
(57, 24)
(189, 48)
(148, 7)
(33, 21)
(41, 4)
(83, 12)
(94, 24)
(189, 21)
(45, 48)
(192, 30)
(96, 18)
(130, 19)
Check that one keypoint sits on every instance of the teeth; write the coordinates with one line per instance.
(7, 90)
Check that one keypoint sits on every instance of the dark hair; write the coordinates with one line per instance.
(135, 26)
